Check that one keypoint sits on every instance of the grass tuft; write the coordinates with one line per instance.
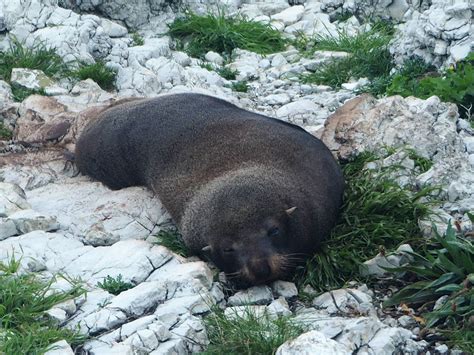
(24, 299)
(377, 213)
(114, 285)
(99, 72)
(20, 93)
(369, 56)
(171, 239)
(240, 86)
(137, 39)
(5, 133)
(222, 34)
(227, 73)
(248, 333)
(37, 57)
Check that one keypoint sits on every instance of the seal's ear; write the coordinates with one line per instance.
(290, 211)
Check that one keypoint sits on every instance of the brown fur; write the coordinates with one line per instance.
(226, 176)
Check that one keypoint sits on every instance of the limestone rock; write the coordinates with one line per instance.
(313, 342)
(253, 295)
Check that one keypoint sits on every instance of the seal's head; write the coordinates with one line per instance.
(248, 227)
(258, 252)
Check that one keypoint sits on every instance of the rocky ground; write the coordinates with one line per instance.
(59, 222)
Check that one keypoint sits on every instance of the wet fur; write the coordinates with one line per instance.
(220, 171)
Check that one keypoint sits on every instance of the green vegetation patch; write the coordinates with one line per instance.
(368, 57)
(99, 72)
(20, 93)
(228, 73)
(377, 214)
(222, 34)
(5, 133)
(24, 300)
(240, 86)
(37, 57)
(444, 268)
(114, 285)
(454, 85)
(137, 39)
(171, 239)
(248, 333)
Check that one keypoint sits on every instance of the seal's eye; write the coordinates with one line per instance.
(228, 250)
(273, 232)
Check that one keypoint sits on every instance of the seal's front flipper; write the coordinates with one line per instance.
(70, 167)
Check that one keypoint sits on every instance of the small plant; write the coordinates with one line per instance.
(222, 34)
(171, 239)
(20, 93)
(137, 39)
(98, 72)
(207, 66)
(368, 56)
(24, 300)
(227, 73)
(240, 86)
(343, 15)
(377, 212)
(422, 163)
(444, 268)
(455, 85)
(114, 285)
(5, 133)
(37, 57)
(248, 333)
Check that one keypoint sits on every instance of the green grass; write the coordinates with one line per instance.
(227, 73)
(444, 267)
(24, 299)
(5, 133)
(114, 285)
(240, 86)
(99, 72)
(247, 334)
(37, 57)
(171, 239)
(369, 56)
(411, 70)
(137, 39)
(455, 85)
(377, 214)
(20, 93)
(222, 34)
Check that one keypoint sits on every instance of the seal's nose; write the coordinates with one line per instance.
(261, 270)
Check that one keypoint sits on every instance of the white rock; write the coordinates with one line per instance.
(30, 78)
(59, 348)
(278, 60)
(285, 289)
(57, 315)
(344, 300)
(253, 295)
(7, 229)
(245, 312)
(299, 107)
(214, 57)
(469, 143)
(279, 308)
(181, 58)
(389, 340)
(12, 199)
(277, 99)
(290, 16)
(310, 343)
(113, 29)
(28, 220)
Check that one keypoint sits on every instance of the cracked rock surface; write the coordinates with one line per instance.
(58, 222)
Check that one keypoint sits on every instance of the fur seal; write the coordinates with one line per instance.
(255, 193)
